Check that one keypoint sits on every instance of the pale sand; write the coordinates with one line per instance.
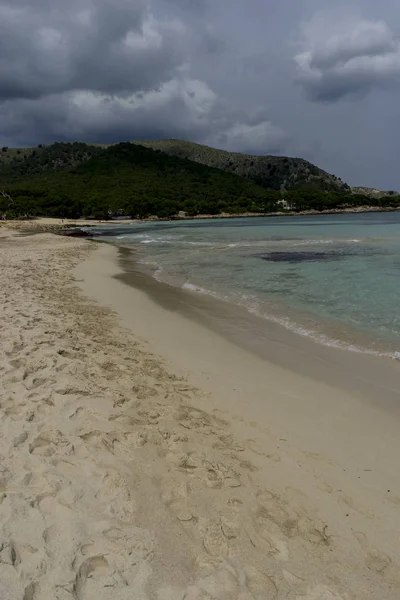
(180, 468)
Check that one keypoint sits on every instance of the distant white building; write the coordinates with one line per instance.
(284, 204)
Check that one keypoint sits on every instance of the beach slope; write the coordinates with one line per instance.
(122, 476)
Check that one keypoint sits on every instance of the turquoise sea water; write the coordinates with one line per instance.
(333, 277)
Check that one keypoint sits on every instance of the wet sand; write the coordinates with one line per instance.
(370, 377)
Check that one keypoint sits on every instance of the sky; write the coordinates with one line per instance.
(309, 78)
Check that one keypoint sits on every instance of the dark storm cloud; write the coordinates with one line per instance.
(110, 70)
(216, 72)
(105, 46)
(186, 109)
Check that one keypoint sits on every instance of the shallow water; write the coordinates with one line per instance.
(333, 277)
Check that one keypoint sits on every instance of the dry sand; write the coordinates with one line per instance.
(159, 470)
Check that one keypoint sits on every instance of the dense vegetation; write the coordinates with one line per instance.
(127, 179)
(79, 180)
(271, 172)
(23, 163)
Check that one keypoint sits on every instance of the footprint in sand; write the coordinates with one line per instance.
(47, 444)
(272, 509)
(195, 419)
(214, 540)
(230, 522)
(228, 443)
(100, 440)
(260, 584)
(93, 575)
(8, 554)
(20, 439)
(150, 417)
(256, 446)
(112, 564)
(320, 592)
(175, 496)
(114, 490)
(33, 383)
(222, 579)
(378, 562)
(213, 474)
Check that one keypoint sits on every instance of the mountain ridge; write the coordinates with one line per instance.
(278, 173)
(100, 181)
(271, 172)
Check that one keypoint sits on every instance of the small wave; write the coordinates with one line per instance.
(152, 240)
(136, 236)
(200, 244)
(144, 238)
(327, 242)
(195, 288)
(321, 338)
(252, 305)
(293, 242)
(157, 273)
(287, 243)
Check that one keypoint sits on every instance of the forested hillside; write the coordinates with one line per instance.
(280, 173)
(81, 180)
(129, 179)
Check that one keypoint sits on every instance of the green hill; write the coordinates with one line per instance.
(22, 163)
(124, 178)
(271, 172)
(99, 181)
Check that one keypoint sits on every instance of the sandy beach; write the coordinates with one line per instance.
(146, 454)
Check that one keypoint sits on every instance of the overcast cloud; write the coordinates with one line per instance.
(258, 76)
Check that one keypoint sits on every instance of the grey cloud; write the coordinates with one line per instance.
(252, 132)
(185, 108)
(106, 70)
(215, 72)
(197, 6)
(347, 59)
(106, 46)
(365, 39)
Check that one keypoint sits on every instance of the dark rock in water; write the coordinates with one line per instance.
(296, 257)
(340, 253)
(76, 232)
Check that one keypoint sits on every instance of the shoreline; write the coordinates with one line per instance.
(263, 338)
(43, 224)
(327, 335)
(147, 454)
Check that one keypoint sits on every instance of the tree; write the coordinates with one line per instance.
(8, 199)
